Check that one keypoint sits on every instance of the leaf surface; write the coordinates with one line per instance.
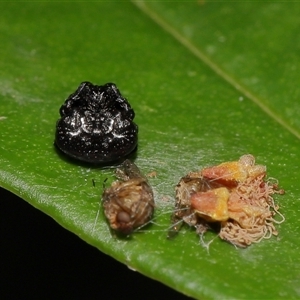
(238, 96)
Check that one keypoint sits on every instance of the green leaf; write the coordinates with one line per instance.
(209, 82)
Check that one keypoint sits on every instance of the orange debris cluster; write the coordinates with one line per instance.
(233, 194)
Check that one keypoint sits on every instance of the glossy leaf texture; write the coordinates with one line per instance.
(209, 82)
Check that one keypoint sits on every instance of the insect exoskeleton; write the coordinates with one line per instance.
(211, 205)
(230, 174)
(187, 185)
(129, 202)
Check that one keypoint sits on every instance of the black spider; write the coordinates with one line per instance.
(96, 124)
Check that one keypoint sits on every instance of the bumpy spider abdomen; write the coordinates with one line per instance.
(96, 124)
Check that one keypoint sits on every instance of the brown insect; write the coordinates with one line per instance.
(128, 203)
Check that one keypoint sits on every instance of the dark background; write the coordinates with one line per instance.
(40, 259)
